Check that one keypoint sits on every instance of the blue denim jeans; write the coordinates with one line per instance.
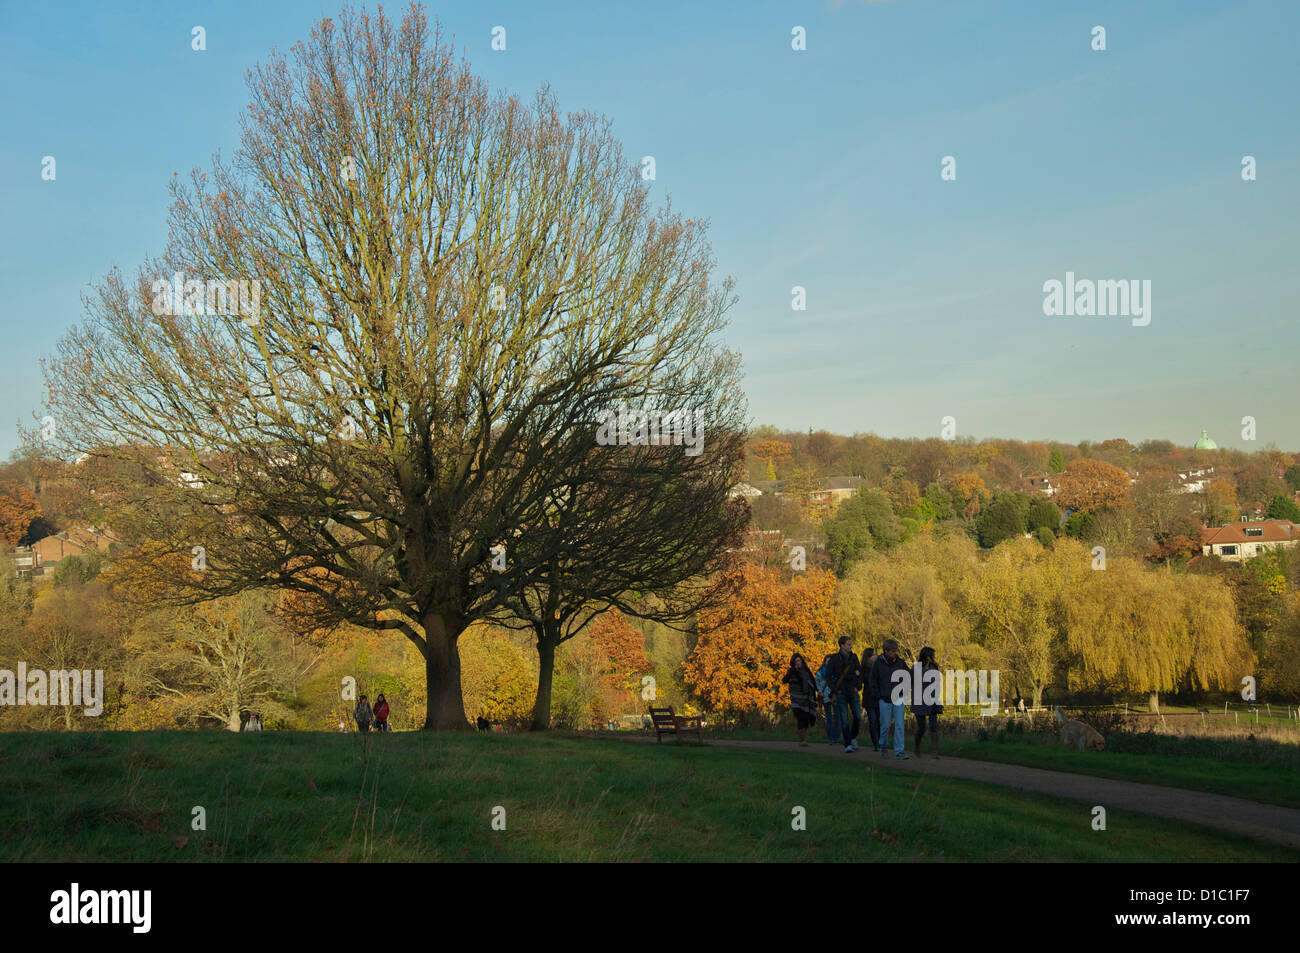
(832, 722)
(888, 712)
(873, 721)
(846, 702)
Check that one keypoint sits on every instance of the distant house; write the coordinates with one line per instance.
(1240, 541)
(745, 490)
(74, 542)
(1195, 481)
(1041, 484)
(26, 562)
(836, 489)
(833, 490)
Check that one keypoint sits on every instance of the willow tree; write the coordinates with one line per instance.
(371, 329)
(1020, 598)
(1145, 631)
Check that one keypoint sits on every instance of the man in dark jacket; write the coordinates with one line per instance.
(869, 701)
(844, 673)
(891, 691)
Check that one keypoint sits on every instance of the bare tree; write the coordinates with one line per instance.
(646, 529)
(443, 288)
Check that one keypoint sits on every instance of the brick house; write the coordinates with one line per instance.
(1237, 542)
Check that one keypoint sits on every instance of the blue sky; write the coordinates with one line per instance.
(818, 168)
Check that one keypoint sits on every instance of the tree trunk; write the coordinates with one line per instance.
(545, 677)
(445, 709)
(1153, 702)
(1038, 696)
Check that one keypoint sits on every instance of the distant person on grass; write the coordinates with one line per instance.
(924, 711)
(824, 694)
(363, 714)
(803, 696)
(844, 672)
(869, 699)
(883, 686)
(381, 713)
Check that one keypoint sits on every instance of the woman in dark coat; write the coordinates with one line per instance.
(803, 695)
(923, 712)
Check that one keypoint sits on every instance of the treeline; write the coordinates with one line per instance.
(1056, 621)
(983, 487)
(210, 666)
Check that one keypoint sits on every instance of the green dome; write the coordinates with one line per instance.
(1205, 443)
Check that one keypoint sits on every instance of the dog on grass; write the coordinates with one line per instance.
(1078, 735)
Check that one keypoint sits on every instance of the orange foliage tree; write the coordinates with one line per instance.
(744, 646)
(1089, 485)
(18, 508)
(969, 492)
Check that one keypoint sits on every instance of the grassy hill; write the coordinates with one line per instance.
(279, 796)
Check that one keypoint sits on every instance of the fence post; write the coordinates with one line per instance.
(1234, 717)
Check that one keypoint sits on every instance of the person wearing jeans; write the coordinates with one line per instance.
(883, 687)
(845, 675)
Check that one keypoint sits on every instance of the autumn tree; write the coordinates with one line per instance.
(744, 646)
(1020, 602)
(968, 493)
(441, 287)
(18, 510)
(1132, 629)
(215, 661)
(771, 452)
(904, 596)
(1089, 485)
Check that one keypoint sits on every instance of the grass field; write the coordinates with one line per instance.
(278, 796)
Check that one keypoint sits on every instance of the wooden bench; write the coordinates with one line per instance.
(667, 723)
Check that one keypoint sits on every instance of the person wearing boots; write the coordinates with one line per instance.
(925, 660)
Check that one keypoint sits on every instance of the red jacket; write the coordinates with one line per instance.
(381, 712)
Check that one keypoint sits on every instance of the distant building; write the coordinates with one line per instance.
(836, 489)
(1041, 484)
(833, 490)
(1237, 542)
(1205, 443)
(745, 490)
(74, 542)
(26, 562)
(1195, 481)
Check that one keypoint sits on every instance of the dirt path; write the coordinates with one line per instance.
(1268, 822)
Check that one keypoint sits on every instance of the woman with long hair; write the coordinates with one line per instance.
(925, 660)
(803, 696)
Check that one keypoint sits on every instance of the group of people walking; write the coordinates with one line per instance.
(834, 690)
(365, 715)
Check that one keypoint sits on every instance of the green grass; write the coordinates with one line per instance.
(279, 796)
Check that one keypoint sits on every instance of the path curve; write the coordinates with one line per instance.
(1267, 822)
